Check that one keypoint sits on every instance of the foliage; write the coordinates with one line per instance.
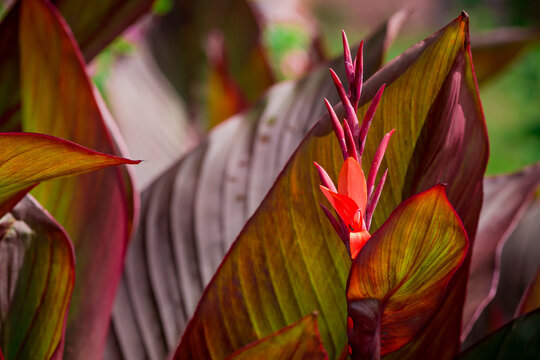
(233, 257)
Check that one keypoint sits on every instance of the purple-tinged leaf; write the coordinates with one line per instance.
(519, 265)
(506, 197)
(97, 210)
(38, 275)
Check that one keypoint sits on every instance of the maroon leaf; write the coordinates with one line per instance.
(506, 197)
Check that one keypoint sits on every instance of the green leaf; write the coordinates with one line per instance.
(38, 268)
(27, 159)
(97, 209)
(300, 340)
(405, 268)
(258, 289)
(519, 339)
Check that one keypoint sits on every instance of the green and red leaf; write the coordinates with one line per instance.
(27, 159)
(97, 210)
(38, 268)
(404, 269)
(94, 25)
(300, 340)
(201, 203)
(428, 148)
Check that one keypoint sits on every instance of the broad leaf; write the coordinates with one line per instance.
(506, 197)
(399, 277)
(300, 340)
(95, 24)
(98, 209)
(38, 272)
(519, 339)
(428, 147)
(200, 206)
(27, 159)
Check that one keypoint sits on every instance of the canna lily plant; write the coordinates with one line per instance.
(386, 266)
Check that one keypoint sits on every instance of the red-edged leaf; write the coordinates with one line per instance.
(27, 159)
(352, 183)
(300, 340)
(289, 217)
(98, 209)
(95, 24)
(493, 51)
(38, 272)
(399, 277)
(506, 197)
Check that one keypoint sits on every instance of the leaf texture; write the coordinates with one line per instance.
(297, 341)
(405, 267)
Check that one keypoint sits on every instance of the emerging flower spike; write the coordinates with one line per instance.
(354, 199)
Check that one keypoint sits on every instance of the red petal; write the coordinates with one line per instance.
(352, 183)
(344, 205)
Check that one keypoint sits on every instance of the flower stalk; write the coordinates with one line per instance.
(354, 199)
